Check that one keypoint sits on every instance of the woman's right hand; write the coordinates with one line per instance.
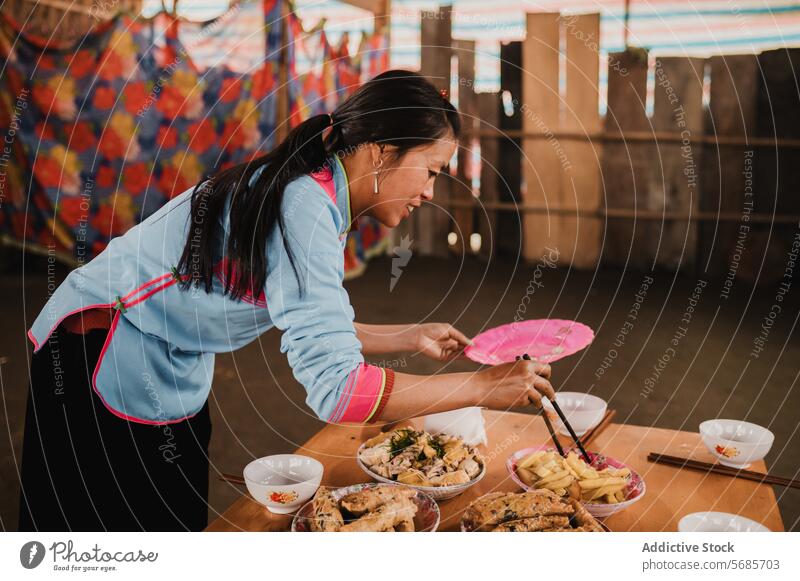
(514, 384)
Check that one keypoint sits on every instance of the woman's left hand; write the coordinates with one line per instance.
(439, 341)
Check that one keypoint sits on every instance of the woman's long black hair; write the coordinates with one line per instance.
(399, 108)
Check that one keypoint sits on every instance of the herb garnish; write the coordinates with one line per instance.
(402, 440)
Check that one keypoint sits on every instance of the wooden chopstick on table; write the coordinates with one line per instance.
(590, 436)
(232, 478)
(723, 470)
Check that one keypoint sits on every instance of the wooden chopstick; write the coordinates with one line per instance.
(553, 434)
(589, 436)
(720, 469)
(566, 423)
(232, 478)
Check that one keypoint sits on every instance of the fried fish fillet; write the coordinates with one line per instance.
(327, 516)
(496, 508)
(370, 499)
(529, 525)
(406, 526)
(584, 520)
(385, 517)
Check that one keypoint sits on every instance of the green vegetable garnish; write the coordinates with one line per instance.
(400, 441)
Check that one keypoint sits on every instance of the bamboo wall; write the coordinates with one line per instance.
(704, 179)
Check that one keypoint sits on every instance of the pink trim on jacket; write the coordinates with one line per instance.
(324, 178)
(362, 395)
(123, 304)
(105, 403)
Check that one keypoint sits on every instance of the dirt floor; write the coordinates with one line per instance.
(258, 408)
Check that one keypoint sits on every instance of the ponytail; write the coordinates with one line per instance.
(254, 211)
(399, 108)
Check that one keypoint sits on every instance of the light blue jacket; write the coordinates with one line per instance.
(158, 360)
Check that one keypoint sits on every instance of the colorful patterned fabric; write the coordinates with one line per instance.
(332, 75)
(119, 124)
(105, 132)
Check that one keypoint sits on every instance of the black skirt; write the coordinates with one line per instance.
(85, 469)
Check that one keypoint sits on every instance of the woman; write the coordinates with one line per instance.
(117, 425)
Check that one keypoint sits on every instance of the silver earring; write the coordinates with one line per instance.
(377, 167)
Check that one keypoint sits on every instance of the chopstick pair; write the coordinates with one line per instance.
(722, 469)
(564, 421)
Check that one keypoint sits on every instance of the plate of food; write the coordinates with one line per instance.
(440, 465)
(368, 507)
(534, 511)
(605, 487)
(544, 340)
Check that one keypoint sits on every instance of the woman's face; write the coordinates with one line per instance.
(404, 184)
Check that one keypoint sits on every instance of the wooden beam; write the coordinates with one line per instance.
(489, 107)
(678, 107)
(282, 106)
(432, 223)
(468, 109)
(627, 166)
(540, 112)
(580, 238)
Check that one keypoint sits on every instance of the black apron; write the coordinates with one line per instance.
(85, 469)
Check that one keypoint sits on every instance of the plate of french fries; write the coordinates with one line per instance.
(604, 487)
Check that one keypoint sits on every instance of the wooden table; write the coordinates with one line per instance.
(671, 493)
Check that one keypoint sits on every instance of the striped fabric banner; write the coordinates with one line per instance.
(689, 27)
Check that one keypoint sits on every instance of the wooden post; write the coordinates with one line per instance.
(626, 166)
(777, 178)
(510, 150)
(678, 107)
(282, 106)
(468, 108)
(580, 237)
(432, 222)
(489, 109)
(539, 110)
(731, 113)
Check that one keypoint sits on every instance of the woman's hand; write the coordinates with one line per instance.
(439, 341)
(514, 384)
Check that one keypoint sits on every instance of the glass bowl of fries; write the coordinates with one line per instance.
(605, 487)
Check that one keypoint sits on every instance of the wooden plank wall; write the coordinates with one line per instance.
(463, 218)
(489, 109)
(777, 170)
(540, 116)
(431, 222)
(731, 113)
(676, 169)
(580, 236)
(510, 162)
(626, 166)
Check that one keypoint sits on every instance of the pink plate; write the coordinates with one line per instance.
(545, 340)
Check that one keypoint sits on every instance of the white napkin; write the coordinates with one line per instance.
(466, 422)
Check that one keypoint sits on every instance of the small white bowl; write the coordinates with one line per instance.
(736, 443)
(284, 482)
(719, 522)
(583, 410)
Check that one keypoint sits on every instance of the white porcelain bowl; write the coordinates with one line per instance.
(284, 482)
(719, 522)
(583, 410)
(736, 443)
